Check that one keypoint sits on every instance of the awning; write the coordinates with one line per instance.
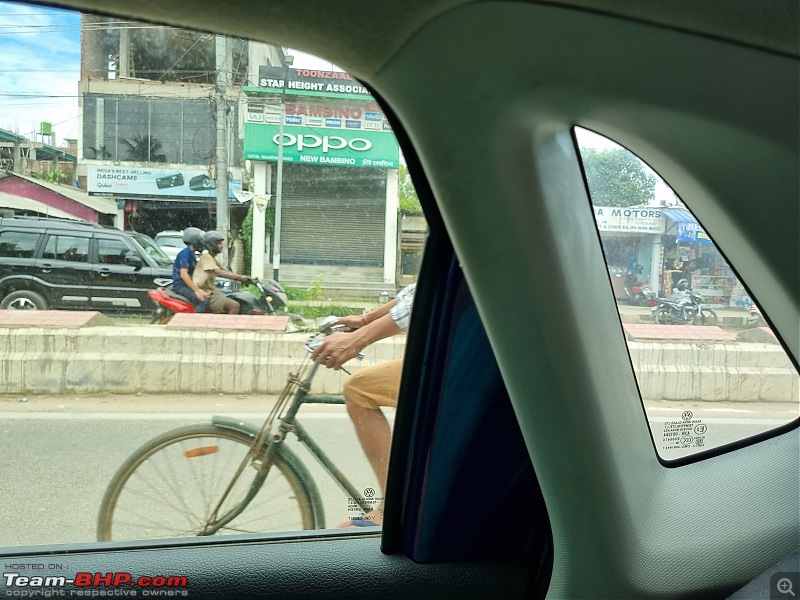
(679, 215)
(27, 204)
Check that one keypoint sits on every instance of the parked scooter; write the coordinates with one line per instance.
(639, 294)
(271, 298)
(685, 308)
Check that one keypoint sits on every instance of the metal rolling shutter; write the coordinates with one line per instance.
(333, 215)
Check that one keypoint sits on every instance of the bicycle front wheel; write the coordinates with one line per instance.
(171, 486)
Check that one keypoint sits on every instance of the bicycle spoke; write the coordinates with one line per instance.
(174, 485)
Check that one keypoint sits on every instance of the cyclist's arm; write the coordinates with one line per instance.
(337, 348)
(358, 321)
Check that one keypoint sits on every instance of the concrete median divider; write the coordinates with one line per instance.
(157, 359)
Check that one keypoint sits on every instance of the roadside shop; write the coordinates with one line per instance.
(631, 236)
(690, 253)
(338, 180)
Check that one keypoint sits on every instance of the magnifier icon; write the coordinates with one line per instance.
(784, 586)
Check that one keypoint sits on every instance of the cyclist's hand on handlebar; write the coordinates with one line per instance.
(335, 350)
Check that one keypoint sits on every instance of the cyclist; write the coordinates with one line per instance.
(183, 268)
(370, 388)
(207, 270)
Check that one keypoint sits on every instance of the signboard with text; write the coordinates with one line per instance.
(310, 80)
(353, 147)
(629, 220)
(153, 183)
(692, 232)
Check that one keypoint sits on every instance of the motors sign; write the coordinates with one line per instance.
(629, 219)
(376, 149)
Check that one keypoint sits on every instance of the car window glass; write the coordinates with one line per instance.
(153, 250)
(293, 163)
(710, 369)
(69, 248)
(111, 252)
(18, 244)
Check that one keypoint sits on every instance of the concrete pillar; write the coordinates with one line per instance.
(259, 220)
(656, 266)
(123, 61)
(390, 238)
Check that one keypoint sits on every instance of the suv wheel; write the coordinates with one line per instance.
(24, 300)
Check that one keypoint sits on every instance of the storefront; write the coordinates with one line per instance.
(338, 184)
(157, 199)
(631, 236)
(689, 253)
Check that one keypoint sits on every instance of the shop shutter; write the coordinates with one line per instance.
(333, 215)
(342, 231)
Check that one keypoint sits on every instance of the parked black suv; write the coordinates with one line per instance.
(55, 263)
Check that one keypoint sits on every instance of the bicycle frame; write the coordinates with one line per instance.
(266, 442)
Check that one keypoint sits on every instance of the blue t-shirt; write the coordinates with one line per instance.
(185, 260)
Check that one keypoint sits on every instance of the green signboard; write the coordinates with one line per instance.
(321, 146)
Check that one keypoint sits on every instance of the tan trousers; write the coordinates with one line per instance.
(375, 386)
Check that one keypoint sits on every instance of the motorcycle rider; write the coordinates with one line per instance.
(183, 268)
(207, 270)
(681, 290)
(632, 279)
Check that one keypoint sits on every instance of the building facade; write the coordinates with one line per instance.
(151, 98)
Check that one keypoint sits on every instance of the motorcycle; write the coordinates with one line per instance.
(754, 316)
(638, 294)
(687, 309)
(270, 299)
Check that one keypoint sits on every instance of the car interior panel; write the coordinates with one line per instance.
(524, 463)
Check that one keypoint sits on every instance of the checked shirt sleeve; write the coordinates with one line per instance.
(401, 312)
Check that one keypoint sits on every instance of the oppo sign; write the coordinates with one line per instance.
(326, 142)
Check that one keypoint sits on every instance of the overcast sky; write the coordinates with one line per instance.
(40, 69)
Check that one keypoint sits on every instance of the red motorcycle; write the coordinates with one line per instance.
(271, 298)
(638, 294)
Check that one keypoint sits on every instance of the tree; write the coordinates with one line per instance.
(143, 148)
(53, 176)
(100, 153)
(409, 201)
(617, 177)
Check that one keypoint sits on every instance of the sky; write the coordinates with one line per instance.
(40, 69)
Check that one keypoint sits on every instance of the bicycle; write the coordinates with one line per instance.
(196, 480)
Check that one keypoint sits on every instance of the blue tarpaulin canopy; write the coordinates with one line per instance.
(679, 215)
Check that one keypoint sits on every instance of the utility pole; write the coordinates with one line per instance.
(221, 88)
(276, 236)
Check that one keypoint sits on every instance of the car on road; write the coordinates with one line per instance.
(171, 242)
(52, 263)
